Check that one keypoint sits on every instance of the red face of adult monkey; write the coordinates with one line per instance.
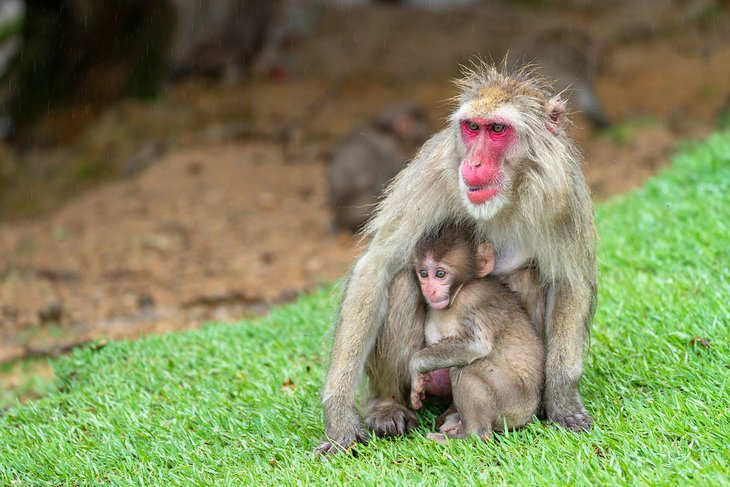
(505, 166)
(491, 152)
(486, 141)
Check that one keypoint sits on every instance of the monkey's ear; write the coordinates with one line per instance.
(555, 111)
(485, 259)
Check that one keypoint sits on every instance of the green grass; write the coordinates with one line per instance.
(239, 405)
(26, 379)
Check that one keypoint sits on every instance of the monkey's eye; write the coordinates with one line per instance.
(473, 126)
(423, 273)
(498, 128)
(440, 274)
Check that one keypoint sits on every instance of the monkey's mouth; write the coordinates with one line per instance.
(481, 194)
(441, 304)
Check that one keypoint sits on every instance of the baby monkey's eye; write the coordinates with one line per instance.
(498, 127)
(423, 273)
(440, 274)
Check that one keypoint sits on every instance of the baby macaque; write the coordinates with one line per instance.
(481, 346)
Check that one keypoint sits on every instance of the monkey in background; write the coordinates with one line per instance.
(481, 347)
(506, 165)
(570, 58)
(366, 159)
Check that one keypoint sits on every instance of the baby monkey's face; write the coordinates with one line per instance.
(442, 273)
(436, 279)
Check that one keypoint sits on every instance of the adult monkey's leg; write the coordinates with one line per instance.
(569, 311)
(387, 367)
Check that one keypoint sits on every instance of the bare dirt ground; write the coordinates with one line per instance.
(217, 207)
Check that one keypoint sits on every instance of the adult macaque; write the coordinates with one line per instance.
(505, 165)
(366, 159)
(480, 342)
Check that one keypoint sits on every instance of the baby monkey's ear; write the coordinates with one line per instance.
(485, 259)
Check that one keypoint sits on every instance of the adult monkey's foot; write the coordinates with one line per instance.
(342, 428)
(570, 414)
(388, 418)
(341, 442)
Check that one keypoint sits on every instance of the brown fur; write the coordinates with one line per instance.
(530, 289)
(545, 222)
(503, 386)
(493, 349)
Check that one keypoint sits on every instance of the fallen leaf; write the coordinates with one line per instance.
(700, 341)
